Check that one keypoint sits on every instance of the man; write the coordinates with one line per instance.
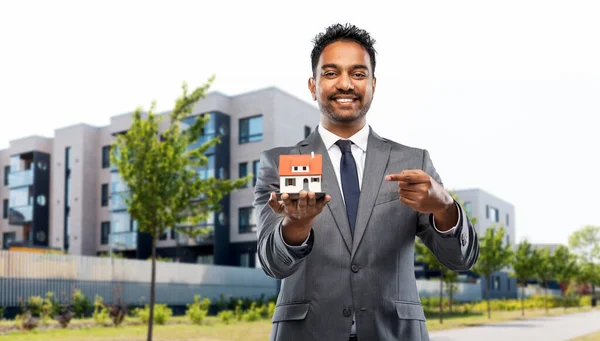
(347, 260)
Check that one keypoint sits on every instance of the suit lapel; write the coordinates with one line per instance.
(329, 185)
(378, 153)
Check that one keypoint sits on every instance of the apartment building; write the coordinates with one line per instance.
(493, 211)
(63, 193)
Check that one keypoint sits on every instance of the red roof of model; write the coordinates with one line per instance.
(286, 162)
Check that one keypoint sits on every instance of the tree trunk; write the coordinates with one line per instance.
(546, 296)
(487, 289)
(152, 287)
(523, 299)
(441, 300)
(451, 292)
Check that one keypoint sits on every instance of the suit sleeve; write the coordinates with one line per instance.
(277, 259)
(457, 251)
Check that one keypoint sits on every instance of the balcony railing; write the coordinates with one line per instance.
(118, 201)
(20, 215)
(185, 239)
(123, 240)
(20, 178)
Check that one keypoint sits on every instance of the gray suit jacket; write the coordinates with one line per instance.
(370, 275)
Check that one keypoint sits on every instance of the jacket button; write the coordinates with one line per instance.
(354, 268)
(347, 312)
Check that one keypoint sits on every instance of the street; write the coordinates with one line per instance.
(551, 328)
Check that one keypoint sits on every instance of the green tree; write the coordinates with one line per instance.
(586, 243)
(162, 173)
(523, 268)
(450, 278)
(565, 269)
(544, 270)
(493, 256)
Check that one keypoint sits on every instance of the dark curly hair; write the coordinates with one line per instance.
(338, 32)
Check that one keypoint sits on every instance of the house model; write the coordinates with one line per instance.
(300, 172)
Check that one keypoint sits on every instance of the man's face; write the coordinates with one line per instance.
(343, 85)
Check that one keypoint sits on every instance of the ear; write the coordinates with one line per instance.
(374, 83)
(312, 88)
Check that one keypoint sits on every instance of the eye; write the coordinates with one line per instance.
(360, 75)
(329, 74)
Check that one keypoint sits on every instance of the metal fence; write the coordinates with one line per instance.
(29, 274)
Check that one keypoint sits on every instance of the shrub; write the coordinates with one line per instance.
(81, 304)
(226, 316)
(1, 313)
(162, 313)
(198, 310)
(100, 313)
(117, 313)
(26, 321)
(64, 315)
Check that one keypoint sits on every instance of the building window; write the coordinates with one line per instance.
(7, 239)
(251, 129)
(245, 259)
(5, 209)
(243, 170)
(68, 158)
(306, 131)
(104, 232)
(105, 156)
(104, 200)
(507, 239)
(6, 172)
(247, 220)
(468, 208)
(314, 179)
(255, 167)
(507, 219)
(497, 283)
(492, 214)
(290, 182)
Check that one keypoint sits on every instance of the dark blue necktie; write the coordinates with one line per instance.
(349, 176)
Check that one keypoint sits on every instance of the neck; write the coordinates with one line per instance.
(344, 129)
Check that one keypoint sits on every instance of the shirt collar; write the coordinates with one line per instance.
(360, 139)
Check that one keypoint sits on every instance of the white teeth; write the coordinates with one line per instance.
(344, 100)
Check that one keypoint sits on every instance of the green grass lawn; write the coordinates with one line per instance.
(179, 329)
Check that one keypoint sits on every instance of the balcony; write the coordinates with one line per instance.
(122, 241)
(20, 215)
(118, 201)
(20, 178)
(187, 240)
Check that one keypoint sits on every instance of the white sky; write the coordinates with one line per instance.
(504, 94)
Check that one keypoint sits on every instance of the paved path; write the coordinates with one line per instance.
(549, 328)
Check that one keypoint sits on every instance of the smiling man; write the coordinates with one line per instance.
(347, 260)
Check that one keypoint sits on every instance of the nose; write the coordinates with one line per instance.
(345, 82)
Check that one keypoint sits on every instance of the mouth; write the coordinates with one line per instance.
(345, 100)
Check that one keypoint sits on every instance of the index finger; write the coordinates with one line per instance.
(409, 176)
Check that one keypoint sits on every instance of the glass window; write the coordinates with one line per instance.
(251, 129)
(120, 222)
(245, 259)
(243, 170)
(255, 168)
(68, 158)
(8, 238)
(247, 220)
(20, 197)
(208, 171)
(507, 219)
(105, 231)
(6, 172)
(492, 214)
(5, 209)
(104, 199)
(105, 156)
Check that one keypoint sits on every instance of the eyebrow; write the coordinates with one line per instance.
(334, 66)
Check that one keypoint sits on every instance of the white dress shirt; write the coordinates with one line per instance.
(359, 152)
